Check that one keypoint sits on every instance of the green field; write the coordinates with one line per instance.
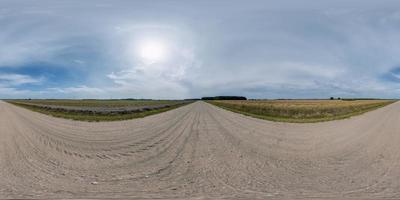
(99, 110)
(301, 111)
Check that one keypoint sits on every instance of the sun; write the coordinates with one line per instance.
(152, 51)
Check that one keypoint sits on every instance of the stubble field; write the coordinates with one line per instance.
(99, 110)
(301, 110)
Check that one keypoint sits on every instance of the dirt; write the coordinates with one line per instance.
(199, 151)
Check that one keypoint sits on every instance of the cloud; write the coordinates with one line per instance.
(8, 92)
(11, 84)
(263, 49)
(79, 89)
(397, 76)
(160, 79)
(18, 79)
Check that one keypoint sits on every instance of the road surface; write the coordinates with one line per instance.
(199, 151)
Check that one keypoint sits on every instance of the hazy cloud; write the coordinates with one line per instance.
(261, 49)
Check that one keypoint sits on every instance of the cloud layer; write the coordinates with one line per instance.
(262, 49)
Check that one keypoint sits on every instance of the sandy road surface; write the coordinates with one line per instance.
(199, 151)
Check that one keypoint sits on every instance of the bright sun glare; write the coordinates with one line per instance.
(152, 51)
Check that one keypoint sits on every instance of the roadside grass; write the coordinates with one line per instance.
(97, 117)
(302, 111)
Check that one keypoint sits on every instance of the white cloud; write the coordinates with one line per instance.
(397, 76)
(18, 79)
(261, 49)
(82, 89)
(160, 79)
(10, 83)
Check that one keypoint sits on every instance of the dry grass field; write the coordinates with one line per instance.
(99, 110)
(301, 110)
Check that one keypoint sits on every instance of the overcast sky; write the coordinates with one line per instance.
(182, 49)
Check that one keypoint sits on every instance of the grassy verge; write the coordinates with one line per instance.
(302, 111)
(96, 117)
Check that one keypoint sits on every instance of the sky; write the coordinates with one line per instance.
(170, 49)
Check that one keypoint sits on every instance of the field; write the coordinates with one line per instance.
(99, 110)
(301, 111)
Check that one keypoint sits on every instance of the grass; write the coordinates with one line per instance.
(96, 117)
(301, 111)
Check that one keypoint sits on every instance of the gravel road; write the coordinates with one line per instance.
(199, 151)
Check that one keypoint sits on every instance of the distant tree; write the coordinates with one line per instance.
(332, 98)
(225, 98)
(192, 99)
(207, 98)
